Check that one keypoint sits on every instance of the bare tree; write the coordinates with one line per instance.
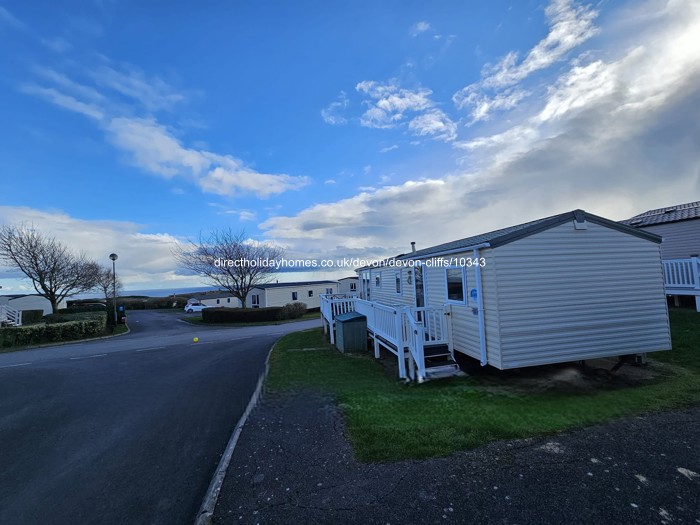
(227, 260)
(55, 271)
(105, 282)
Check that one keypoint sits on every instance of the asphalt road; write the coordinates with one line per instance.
(124, 430)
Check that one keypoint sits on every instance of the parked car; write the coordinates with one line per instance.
(195, 307)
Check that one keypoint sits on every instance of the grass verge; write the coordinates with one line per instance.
(389, 421)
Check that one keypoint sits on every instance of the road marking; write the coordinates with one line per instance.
(151, 348)
(18, 364)
(89, 356)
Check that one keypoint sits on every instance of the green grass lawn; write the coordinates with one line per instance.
(388, 420)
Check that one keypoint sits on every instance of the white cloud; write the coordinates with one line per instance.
(434, 123)
(153, 148)
(152, 92)
(246, 215)
(333, 113)
(616, 135)
(144, 258)
(329, 181)
(388, 103)
(76, 89)
(570, 25)
(149, 144)
(62, 100)
(387, 149)
(482, 105)
(420, 27)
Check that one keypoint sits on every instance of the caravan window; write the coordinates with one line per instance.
(456, 284)
(397, 277)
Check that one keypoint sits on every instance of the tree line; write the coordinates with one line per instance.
(56, 272)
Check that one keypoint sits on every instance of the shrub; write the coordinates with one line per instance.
(53, 332)
(77, 308)
(242, 315)
(293, 310)
(32, 316)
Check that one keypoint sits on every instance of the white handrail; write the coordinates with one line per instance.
(402, 327)
(681, 273)
(414, 337)
(10, 315)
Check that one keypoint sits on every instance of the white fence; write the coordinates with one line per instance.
(399, 329)
(681, 274)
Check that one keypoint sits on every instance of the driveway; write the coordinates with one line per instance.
(124, 430)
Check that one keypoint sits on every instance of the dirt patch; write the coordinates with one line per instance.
(591, 376)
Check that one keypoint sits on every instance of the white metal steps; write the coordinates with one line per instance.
(439, 362)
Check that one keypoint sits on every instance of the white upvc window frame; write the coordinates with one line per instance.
(465, 290)
(398, 286)
(255, 300)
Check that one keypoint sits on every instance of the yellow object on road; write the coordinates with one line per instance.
(196, 339)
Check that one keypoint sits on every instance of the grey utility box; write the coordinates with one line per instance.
(351, 332)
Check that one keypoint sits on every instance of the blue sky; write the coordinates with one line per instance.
(335, 128)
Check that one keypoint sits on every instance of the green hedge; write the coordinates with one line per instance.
(253, 315)
(242, 315)
(32, 316)
(152, 303)
(51, 333)
(81, 316)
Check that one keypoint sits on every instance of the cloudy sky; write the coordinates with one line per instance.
(336, 128)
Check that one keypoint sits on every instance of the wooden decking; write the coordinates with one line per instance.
(419, 337)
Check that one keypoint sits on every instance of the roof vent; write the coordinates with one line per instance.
(669, 210)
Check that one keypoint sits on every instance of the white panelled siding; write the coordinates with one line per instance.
(566, 294)
(681, 239)
(570, 287)
(385, 291)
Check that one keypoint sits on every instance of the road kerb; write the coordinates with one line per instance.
(206, 511)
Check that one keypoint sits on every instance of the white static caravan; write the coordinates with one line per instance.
(570, 287)
(349, 285)
(29, 302)
(279, 294)
(679, 226)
